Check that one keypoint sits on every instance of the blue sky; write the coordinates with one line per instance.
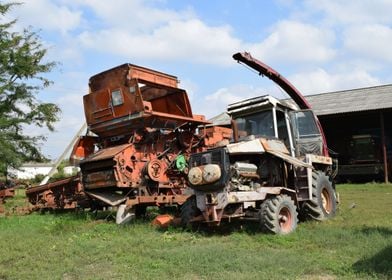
(320, 46)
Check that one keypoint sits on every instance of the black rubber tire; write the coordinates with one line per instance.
(140, 211)
(188, 211)
(278, 215)
(322, 205)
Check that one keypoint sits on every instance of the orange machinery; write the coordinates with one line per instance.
(141, 131)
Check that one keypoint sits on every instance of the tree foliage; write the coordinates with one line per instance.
(22, 69)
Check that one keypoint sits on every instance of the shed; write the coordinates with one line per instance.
(358, 126)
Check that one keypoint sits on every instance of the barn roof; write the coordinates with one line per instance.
(221, 119)
(353, 100)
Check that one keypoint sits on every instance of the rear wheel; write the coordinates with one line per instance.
(140, 211)
(278, 215)
(322, 205)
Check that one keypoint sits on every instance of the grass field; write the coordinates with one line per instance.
(357, 243)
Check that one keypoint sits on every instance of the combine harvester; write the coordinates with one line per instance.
(148, 149)
(277, 167)
(6, 191)
(144, 132)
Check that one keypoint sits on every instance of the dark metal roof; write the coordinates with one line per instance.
(221, 119)
(354, 100)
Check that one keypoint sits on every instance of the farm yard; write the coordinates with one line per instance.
(150, 135)
(356, 244)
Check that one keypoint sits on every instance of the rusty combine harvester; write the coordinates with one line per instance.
(143, 133)
(276, 167)
(6, 192)
(62, 194)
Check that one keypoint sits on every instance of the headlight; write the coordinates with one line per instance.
(205, 174)
(195, 176)
(211, 173)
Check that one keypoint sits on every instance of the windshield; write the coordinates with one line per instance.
(258, 124)
(304, 124)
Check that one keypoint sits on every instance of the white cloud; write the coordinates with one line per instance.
(373, 41)
(190, 40)
(363, 29)
(190, 87)
(195, 41)
(47, 15)
(145, 30)
(134, 15)
(72, 118)
(73, 102)
(319, 80)
(353, 11)
(216, 103)
(68, 52)
(293, 41)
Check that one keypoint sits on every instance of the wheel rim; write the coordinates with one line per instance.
(285, 220)
(326, 200)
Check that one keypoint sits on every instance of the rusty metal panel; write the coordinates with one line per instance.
(129, 97)
(83, 147)
(319, 159)
(278, 149)
(274, 145)
(290, 159)
(147, 75)
(107, 153)
(158, 200)
(99, 108)
(6, 193)
(108, 197)
(62, 194)
(246, 147)
(49, 185)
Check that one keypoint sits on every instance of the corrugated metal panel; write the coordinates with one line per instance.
(221, 119)
(106, 153)
(355, 100)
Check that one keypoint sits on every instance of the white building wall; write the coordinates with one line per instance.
(29, 172)
(69, 170)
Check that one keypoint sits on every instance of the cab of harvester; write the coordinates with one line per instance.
(268, 117)
(275, 166)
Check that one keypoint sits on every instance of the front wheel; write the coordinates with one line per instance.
(189, 211)
(322, 204)
(278, 215)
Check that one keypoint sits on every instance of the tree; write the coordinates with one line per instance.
(22, 65)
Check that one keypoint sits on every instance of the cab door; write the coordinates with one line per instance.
(306, 133)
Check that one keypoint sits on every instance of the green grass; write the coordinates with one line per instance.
(357, 243)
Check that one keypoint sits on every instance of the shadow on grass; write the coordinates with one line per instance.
(384, 231)
(80, 214)
(378, 265)
(224, 229)
(104, 215)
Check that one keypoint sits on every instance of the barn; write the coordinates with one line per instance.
(358, 127)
